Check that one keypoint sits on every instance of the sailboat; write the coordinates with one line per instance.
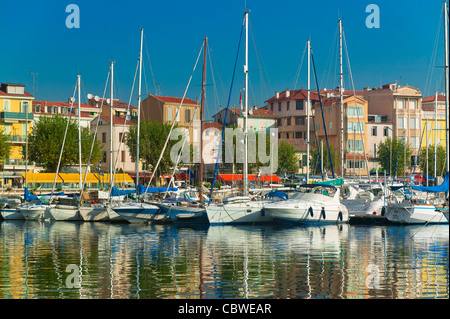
(412, 212)
(239, 209)
(67, 208)
(135, 212)
(189, 211)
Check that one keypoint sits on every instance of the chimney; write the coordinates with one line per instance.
(277, 95)
(288, 93)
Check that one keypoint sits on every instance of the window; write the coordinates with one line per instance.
(330, 110)
(6, 105)
(355, 146)
(271, 106)
(279, 106)
(37, 108)
(299, 121)
(354, 127)
(123, 156)
(402, 122)
(24, 108)
(374, 150)
(414, 140)
(278, 122)
(412, 104)
(287, 135)
(288, 121)
(169, 114)
(122, 135)
(177, 115)
(187, 115)
(374, 131)
(330, 125)
(298, 134)
(414, 123)
(104, 157)
(104, 137)
(386, 131)
(299, 105)
(287, 105)
(355, 111)
(400, 104)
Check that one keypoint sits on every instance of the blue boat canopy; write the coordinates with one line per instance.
(144, 189)
(117, 192)
(28, 196)
(443, 188)
(279, 194)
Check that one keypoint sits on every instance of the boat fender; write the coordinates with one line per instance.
(322, 213)
(383, 211)
(311, 213)
(340, 217)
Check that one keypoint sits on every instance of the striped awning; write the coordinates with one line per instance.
(42, 178)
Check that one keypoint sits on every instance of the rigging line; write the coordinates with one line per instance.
(323, 118)
(123, 127)
(63, 142)
(259, 65)
(226, 114)
(95, 133)
(297, 75)
(329, 63)
(356, 105)
(433, 57)
(216, 96)
(150, 65)
(174, 120)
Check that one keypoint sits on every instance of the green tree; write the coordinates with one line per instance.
(287, 158)
(45, 141)
(153, 135)
(440, 160)
(388, 162)
(5, 146)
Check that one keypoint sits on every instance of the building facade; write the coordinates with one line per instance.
(436, 120)
(16, 120)
(355, 118)
(403, 107)
(164, 109)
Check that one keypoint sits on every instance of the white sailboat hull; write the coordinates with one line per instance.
(35, 212)
(65, 213)
(12, 214)
(407, 213)
(95, 213)
(138, 213)
(238, 213)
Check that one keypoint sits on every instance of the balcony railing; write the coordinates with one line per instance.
(15, 161)
(18, 138)
(16, 116)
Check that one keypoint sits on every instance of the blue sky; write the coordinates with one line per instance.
(34, 38)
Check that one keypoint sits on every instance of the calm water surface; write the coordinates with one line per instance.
(72, 260)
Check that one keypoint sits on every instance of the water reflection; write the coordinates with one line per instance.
(161, 261)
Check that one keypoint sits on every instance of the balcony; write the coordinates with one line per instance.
(18, 139)
(15, 116)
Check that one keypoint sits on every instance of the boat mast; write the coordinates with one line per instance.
(341, 89)
(111, 181)
(308, 106)
(202, 107)
(446, 70)
(139, 110)
(79, 127)
(245, 172)
(435, 136)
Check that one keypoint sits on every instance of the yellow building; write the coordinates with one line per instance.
(435, 129)
(16, 121)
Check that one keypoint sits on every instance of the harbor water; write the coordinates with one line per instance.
(72, 260)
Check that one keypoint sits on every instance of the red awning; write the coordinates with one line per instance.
(251, 178)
